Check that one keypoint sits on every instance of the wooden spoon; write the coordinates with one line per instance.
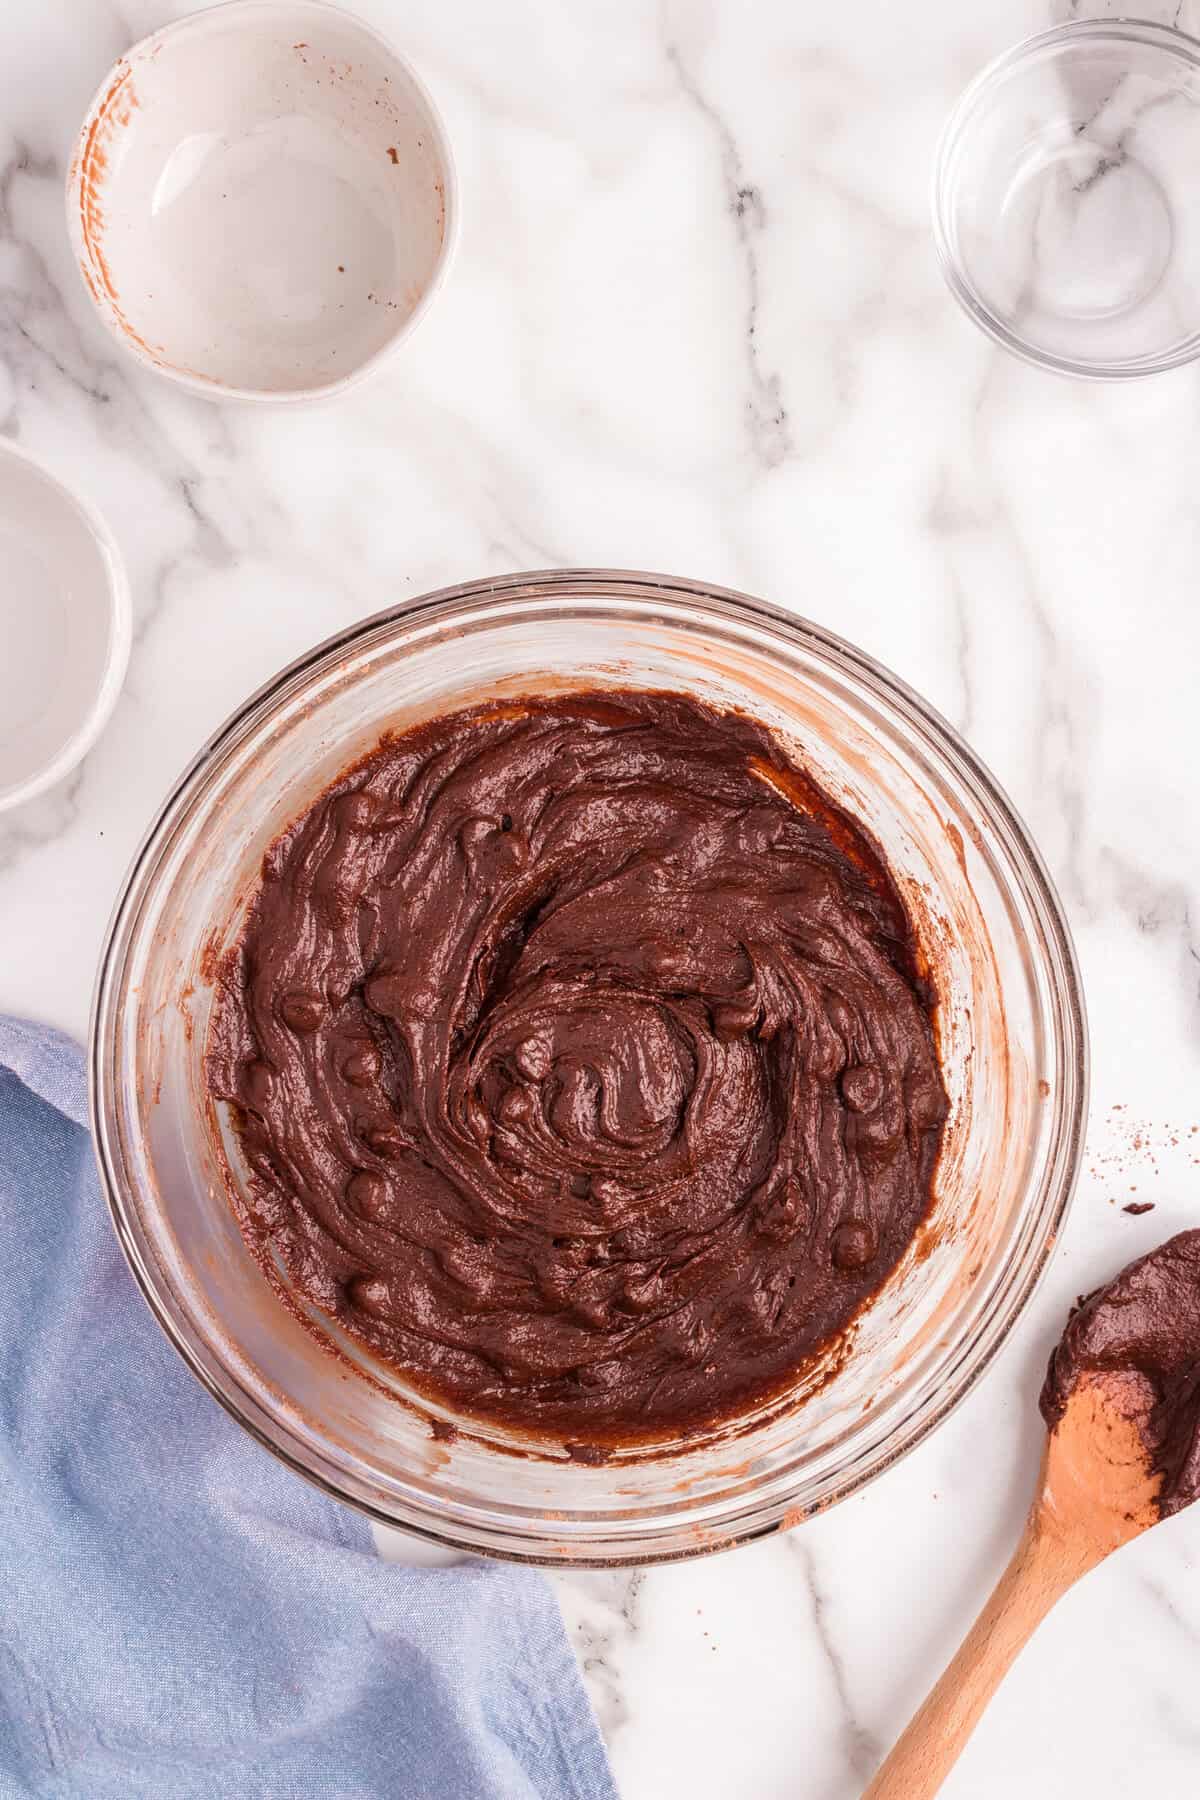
(1096, 1491)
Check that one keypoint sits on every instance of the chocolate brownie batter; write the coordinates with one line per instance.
(1145, 1328)
(582, 1058)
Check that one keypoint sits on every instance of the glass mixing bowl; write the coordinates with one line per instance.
(1010, 1023)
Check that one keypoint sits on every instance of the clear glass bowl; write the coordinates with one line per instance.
(1011, 1026)
(1066, 209)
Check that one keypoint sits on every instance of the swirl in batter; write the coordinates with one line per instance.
(581, 1056)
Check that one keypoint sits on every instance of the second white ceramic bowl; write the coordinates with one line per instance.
(65, 627)
(262, 199)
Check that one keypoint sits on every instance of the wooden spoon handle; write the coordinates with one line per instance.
(1041, 1571)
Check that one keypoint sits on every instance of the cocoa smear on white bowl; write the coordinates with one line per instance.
(65, 627)
(262, 200)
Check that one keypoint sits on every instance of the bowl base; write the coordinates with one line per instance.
(1093, 226)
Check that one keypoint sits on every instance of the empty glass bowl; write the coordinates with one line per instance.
(1066, 205)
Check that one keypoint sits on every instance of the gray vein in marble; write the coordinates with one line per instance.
(862, 1750)
(21, 308)
(946, 519)
(1060, 723)
(1159, 909)
(208, 546)
(1164, 1599)
(1057, 744)
(1171, 14)
(39, 339)
(471, 464)
(210, 543)
(1115, 154)
(767, 417)
(517, 546)
(39, 822)
(1105, 164)
(962, 653)
(612, 1623)
(1179, 1728)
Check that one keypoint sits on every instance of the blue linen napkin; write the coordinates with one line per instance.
(181, 1618)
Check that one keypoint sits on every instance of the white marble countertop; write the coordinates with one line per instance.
(695, 325)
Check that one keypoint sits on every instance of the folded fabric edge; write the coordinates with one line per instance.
(48, 1062)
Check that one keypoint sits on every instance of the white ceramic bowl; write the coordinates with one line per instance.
(262, 199)
(65, 627)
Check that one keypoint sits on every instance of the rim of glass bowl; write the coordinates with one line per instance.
(955, 131)
(583, 593)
